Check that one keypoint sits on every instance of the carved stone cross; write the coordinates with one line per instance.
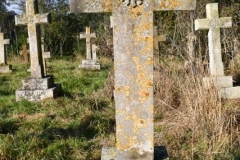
(32, 19)
(3, 42)
(46, 55)
(157, 38)
(133, 63)
(88, 35)
(213, 23)
(25, 53)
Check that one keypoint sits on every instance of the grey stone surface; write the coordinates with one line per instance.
(38, 83)
(37, 95)
(109, 153)
(222, 82)
(133, 63)
(230, 93)
(213, 23)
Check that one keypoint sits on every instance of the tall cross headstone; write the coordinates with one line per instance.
(38, 86)
(213, 23)
(3, 42)
(32, 19)
(133, 63)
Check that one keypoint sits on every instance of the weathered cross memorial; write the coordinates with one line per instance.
(133, 64)
(91, 61)
(38, 86)
(4, 67)
(213, 23)
(25, 53)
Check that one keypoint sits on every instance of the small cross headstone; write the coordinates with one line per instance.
(37, 87)
(4, 68)
(25, 52)
(133, 62)
(213, 23)
(90, 62)
(157, 38)
(46, 55)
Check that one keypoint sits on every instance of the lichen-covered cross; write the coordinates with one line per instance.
(133, 66)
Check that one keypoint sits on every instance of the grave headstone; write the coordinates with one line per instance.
(133, 63)
(25, 53)
(89, 63)
(4, 67)
(213, 23)
(46, 55)
(38, 86)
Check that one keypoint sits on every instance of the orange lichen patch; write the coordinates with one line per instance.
(149, 61)
(107, 5)
(141, 75)
(118, 89)
(126, 88)
(135, 59)
(144, 94)
(148, 83)
(170, 4)
(139, 67)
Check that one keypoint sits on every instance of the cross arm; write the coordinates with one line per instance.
(225, 22)
(90, 6)
(37, 19)
(6, 41)
(174, 5)
(202, 24)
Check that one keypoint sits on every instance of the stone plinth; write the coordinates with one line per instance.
(230, 93)
(109, 153)
(222, 82)
(35, 89)
(89, 64)
(6, 69)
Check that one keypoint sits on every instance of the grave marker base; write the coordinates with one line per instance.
(35, 89)
(222, 82)
(230, 93)
(89, 64)
(160, 153)
(6, 69)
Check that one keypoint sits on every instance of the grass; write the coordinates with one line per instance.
(192, 122)
(73, 126)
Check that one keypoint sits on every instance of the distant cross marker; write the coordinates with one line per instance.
(32, 19)
(133, 62)
(3, 42)
(157, 38)
(213, 23)
(88, 35)
(46, 55)
(25, 53)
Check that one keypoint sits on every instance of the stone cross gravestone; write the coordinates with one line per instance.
(25, 52)
(89, 63)
(213, 23)
(133, 63)
(4, 68)
(37, 87)
(46, 55)
(157, 38)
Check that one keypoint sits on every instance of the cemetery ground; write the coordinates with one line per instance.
(191, 122)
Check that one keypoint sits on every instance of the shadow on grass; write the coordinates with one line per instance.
(86, 129)
(8, 127)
